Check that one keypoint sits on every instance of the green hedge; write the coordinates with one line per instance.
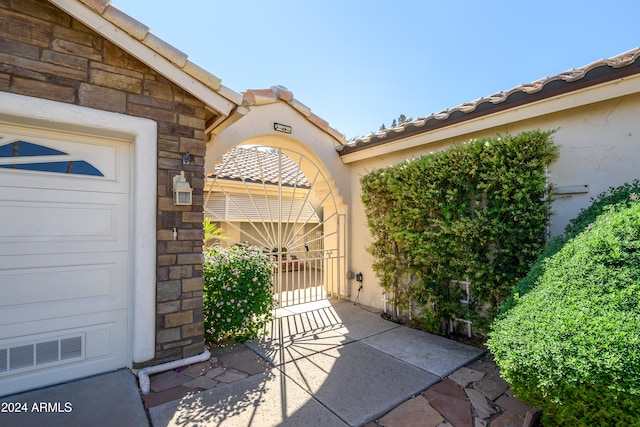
(476, 211)
(571, 345)
(623, 195)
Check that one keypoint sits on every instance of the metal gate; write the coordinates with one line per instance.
(281, 201)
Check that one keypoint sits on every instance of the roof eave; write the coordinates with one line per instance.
(552, 103)
(171, 70)
(605, 73)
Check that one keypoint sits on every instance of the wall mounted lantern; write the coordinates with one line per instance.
(181, 190)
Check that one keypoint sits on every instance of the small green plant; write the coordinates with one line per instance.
(212, 232)
(571, 345)
(238, 293)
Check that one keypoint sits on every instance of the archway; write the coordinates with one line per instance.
(282, 200)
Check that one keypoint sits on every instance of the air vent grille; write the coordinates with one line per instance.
(24, 356)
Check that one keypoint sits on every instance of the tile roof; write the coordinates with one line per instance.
(258, 166)
(141, 33)
(254, 97)
(595, 73)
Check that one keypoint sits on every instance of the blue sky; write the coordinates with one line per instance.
(358, 64)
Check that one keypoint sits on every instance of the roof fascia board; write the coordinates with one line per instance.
(221, 123)
(605, 91)
(147, 55)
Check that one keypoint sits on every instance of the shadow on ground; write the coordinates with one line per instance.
(331, 367)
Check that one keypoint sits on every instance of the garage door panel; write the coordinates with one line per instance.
(61, 221)
(48, 220)
(62, 285)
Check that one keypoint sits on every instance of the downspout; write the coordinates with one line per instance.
(143, 374)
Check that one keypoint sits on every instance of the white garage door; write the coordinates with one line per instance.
(64, 257)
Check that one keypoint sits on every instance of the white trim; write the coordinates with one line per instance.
(143, 132)
(566, 101)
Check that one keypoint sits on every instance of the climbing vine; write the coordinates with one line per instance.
(476, 212)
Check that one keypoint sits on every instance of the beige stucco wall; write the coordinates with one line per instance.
(599, 147)
(257, 128)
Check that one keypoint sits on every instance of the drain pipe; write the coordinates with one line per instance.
(143, 374)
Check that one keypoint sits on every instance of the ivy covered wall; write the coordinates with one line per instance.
(476, 212)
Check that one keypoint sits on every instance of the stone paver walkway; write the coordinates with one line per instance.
(472, 396)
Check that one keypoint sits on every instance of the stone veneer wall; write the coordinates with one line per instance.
(48, 54)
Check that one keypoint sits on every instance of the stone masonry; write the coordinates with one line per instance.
(48, 54)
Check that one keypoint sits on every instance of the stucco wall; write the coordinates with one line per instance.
(599, 147)
(45, 53)
(257, 128)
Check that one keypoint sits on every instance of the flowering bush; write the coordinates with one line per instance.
(238, 294)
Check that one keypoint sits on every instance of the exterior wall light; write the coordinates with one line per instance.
(181, 190)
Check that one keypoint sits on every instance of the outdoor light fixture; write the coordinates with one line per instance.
(181, 190)
(282, 128)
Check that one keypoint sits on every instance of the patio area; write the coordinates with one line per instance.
(332, 363)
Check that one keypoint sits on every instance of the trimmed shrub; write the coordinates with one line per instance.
(623, 195)
(571, 345)
(238, 294)
(475, 212)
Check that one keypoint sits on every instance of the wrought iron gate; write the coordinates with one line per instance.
(281, 201)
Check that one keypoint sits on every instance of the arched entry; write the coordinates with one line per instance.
(279, 199)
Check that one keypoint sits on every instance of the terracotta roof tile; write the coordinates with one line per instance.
(258, 166)
(283, 93)
(469, 110)
(203, 75)
(302, 108)
(165, 49)
(97, 5)
(318, 121)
